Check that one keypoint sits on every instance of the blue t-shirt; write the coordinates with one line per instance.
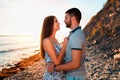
(77, 41)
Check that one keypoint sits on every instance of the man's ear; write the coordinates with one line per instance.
(73, 18)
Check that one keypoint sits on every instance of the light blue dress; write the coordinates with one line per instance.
(55, 75)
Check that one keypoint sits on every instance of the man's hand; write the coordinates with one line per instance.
(50, 67)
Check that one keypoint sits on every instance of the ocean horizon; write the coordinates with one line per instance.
(14, 48)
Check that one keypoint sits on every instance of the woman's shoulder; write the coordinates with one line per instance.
(47, 41)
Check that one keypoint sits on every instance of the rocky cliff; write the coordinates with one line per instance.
(103, 35)
(104, 27)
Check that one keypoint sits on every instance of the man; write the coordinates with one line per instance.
(74, 65)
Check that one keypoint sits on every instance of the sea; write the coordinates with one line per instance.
(14, 48)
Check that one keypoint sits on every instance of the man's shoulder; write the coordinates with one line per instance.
(78, 32)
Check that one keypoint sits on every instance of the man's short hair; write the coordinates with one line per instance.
(75, 12)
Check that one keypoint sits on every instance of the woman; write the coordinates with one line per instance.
(50, 47)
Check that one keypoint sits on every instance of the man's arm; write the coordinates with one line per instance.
(73, 64)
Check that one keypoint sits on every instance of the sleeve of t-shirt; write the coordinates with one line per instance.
(77, 40)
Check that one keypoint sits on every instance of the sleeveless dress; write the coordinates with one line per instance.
(55, 75)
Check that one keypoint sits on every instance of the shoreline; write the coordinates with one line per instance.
(20, 66)
(99, 65)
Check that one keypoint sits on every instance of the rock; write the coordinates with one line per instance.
(101, 66)
(117, 56)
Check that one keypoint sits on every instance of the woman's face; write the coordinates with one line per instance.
(56, 24)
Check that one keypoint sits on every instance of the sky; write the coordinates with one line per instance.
(25, 17)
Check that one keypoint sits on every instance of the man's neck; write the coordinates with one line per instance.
(74, 26)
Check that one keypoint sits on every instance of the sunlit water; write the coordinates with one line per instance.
(15, 48)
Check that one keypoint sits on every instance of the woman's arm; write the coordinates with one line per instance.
(49, 48)
(62, 52)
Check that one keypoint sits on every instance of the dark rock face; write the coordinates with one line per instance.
(103, 35)
(104, 27)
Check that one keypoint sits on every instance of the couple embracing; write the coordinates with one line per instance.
(66, 62)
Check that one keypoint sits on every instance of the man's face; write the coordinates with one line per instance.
(68, 20)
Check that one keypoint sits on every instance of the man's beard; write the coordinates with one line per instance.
(68, 24)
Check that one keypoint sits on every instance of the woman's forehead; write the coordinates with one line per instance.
(55, 18)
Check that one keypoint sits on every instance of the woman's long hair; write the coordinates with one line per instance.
(47, 29)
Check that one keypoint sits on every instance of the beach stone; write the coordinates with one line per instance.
(102, 66)
(117, 56)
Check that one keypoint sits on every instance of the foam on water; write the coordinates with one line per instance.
(13, 49)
